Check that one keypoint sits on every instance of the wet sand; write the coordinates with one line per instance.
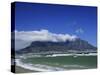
(22, 70)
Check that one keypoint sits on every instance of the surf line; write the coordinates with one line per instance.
(38, 67)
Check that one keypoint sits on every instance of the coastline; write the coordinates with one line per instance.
(41, 68)
(46, 68)
(19, 69)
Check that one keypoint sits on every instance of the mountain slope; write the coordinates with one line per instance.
(58, 47)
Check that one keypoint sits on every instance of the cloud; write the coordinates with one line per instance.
(79, 31)
(24, 38)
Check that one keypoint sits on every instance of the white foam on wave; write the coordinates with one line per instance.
(28, 66)
(90, 54)
(37, 67)
(74, 66)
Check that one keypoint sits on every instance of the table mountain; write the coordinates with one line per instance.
(77, 45)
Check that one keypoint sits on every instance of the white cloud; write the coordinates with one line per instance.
(24, 38)
(79, 30)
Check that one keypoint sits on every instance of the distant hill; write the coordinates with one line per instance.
(77, 45)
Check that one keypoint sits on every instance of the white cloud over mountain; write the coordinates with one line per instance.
(79, 31)
(24, 38)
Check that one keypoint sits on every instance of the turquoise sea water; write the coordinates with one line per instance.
(66, 62)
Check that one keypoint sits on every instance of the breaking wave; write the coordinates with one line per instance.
(37, 67)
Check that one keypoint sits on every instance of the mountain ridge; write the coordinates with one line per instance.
(78, 45)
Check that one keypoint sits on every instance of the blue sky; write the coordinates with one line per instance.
(74, 20)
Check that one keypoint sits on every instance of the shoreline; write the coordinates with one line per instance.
(29, 66)
(38, 67)
(19, 69)
(44, 68)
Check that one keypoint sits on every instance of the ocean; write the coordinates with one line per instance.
(58, 63)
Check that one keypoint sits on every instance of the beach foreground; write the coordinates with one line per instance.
(58, 63)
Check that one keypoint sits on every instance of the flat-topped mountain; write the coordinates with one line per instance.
(77, 45)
